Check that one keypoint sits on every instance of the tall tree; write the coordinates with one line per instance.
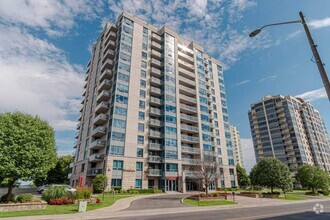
(206, 173)
(58, 174)
(242, 177)
(27, 148)
(313, 177)
(271, 173)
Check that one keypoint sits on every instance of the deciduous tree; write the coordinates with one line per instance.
(242, 177)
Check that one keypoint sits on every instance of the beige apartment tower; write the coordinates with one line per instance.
(291, 130)
(236, 142)
(154, 105)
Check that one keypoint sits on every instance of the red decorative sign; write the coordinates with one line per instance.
(172, 178)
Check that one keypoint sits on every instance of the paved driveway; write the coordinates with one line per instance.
(158, 202)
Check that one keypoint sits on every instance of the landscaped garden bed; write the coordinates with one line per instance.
(210, 196)
(250, 194)
(13, 207)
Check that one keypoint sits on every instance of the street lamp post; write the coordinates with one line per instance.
(316, 55)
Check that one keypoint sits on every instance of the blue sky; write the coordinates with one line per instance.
(45, 46)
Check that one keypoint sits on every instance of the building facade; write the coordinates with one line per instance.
(236, 142)
(154, 105)
(291, 130)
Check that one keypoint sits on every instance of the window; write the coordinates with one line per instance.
(139, 166)
(205, 127)
(116, 150)
(118, 136)
(171, 154)
(125, 57)
(123, 77)
(170, 108)
(205, 118)
(207, 147)
(217, 132)
(141, 127)
(120, 110)
(144, 64)
(144, 55)
(139, 152)
(117, 123)
(143, 83)
(142, 104)
(144, 46)
(204, 109)
(143, 74)
(141, 115)
(203, 100)
(170, 130)
(138, 183)
(170, 119)
(231, 171)
(127, 30)
(121, 99)
(140, 139)
(230, 152)
(214, 107)
(171, 142)
(145, 30)
(123, 66)
(122, 88)
(117, 165)
(231, 162)
(172, 167)
(116, 182)
(219, 151)
(82, 168)
(142, 94)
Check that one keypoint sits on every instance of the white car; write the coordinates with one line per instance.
(68, 188)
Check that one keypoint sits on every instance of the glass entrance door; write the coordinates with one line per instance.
(171, 185)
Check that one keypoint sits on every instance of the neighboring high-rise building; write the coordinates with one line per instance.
(154, 106)
(290, 130)
(236, 142)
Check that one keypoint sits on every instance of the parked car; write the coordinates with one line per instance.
(68, 188)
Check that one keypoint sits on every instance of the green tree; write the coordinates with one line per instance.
(313, 177)
(27, 148)
(58, 174)
(271, 173)
(242, 177)
(98, 183)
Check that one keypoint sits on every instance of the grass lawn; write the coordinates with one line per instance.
(207, 203)
(68, 209)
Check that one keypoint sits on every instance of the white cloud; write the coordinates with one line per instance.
(37, 78)
(314, 95)
(268, 78)
(294, 34)
(236, 8)
(248, 153)
(54, 17)
(241, 83)
(319, 23)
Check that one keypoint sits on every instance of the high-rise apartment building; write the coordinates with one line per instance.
(236, 142)
(291, 130)
(154, 106)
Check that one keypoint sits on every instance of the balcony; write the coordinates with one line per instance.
(156, 37)
(99, 131)
(155, 123)
(155, 172)
(156, 54)
(190, 150)
(156, 46)
(155, 72)
(186, 65)
(171, 173)
(94, 171)
(186, 90)
(86, 77)
(190, 161)
(155, 82)
(96, 157)
(108, 64)
(155, 91)
(210, 153)
(187, 99)
(102, 107)
(77, 135)
(189, 128)
(185, 57)
(187, 82)
(155, 112)
(110, 36)
(188, 118)
(187, 108)
(78, 125)
(185, 49)
(189, 139)
(100, 119)
(156, 101)
(154, 159)
(103, 96)
(155, 147)
(109, 54)
(97, 144)
(110, 45)
(155, 134)
(79, 118)
(156, 63)
(107, 74)
(105, 85)
(291, 154)
(75, 144)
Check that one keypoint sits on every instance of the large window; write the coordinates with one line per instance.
(141, 115)
(140, 139)
(121, 99)
(117, 123)
(122, 88)
(117, 165)
(139, 166)
(139, 152)
(116, 150)
(141, 127)
(116, 182)
(118, 136)
(172, 167)
(138, 183)
(120, 110)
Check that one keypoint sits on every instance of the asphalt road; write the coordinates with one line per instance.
(293, 211)
(158, 202)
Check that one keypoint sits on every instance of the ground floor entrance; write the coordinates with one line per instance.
(191, 186)
(172, 185)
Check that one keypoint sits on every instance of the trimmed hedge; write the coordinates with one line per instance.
(24, 198)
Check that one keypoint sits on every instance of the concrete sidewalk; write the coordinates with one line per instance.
(118, 209)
